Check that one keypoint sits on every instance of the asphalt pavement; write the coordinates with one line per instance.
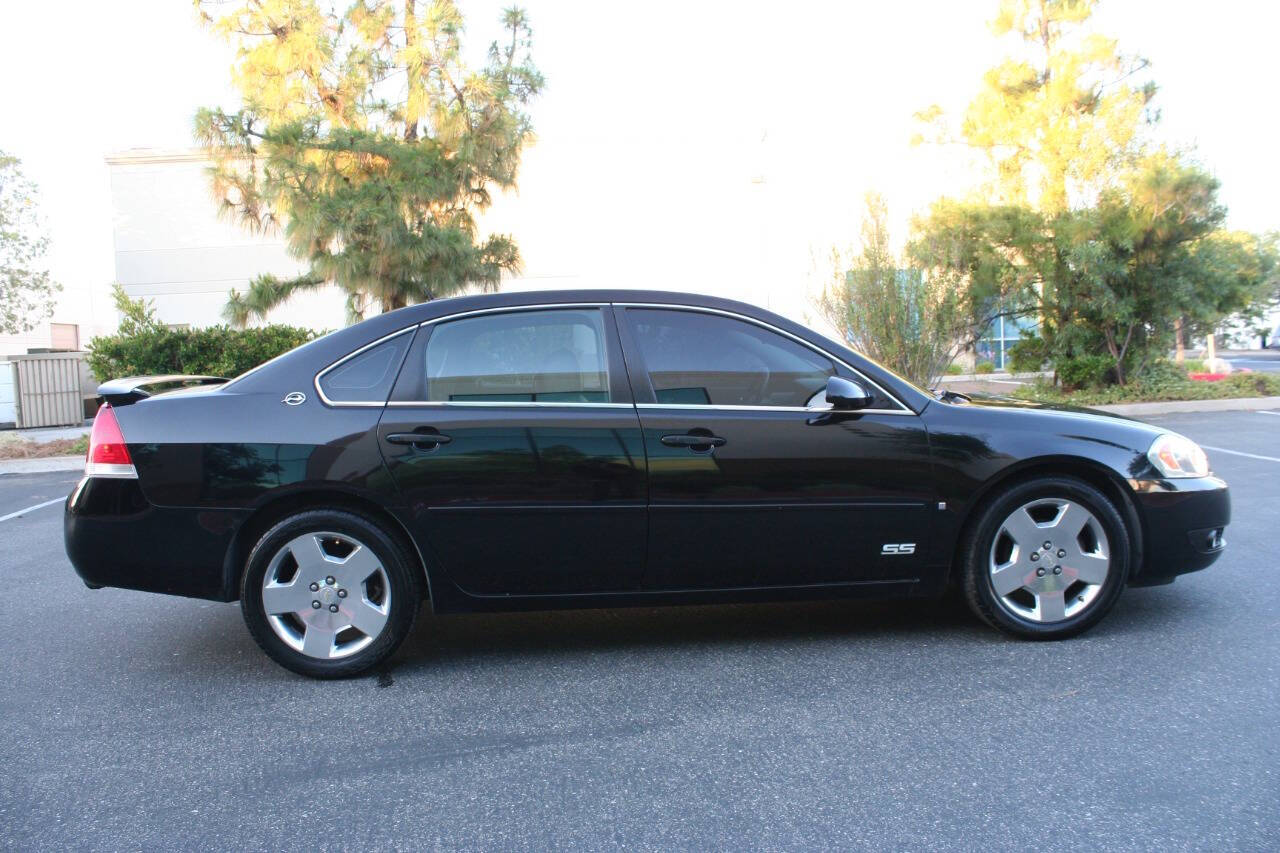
(1265, 360)
(130, 720)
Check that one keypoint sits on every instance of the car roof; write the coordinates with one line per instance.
(480, 301)
(320, 353)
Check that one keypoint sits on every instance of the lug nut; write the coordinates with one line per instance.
(333, 608)
(1048, 545)
(1057, 570)
(1035, 556)
(315, 605)
(1062, 552)
(1039, 573)
(315, 587)
(329, 580)
(342, 593)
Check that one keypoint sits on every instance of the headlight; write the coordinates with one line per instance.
(1176, 455)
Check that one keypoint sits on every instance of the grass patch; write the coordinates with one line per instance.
(1157, 389)
(17, 448)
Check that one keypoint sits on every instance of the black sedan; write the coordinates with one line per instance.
(606, 448)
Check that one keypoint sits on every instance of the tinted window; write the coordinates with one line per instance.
(553, 356)
(707, 359)
(367, 377)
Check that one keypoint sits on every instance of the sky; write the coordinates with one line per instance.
(714, 146)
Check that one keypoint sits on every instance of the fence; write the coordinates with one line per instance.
(50, 389)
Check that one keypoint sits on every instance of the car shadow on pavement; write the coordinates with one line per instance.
(463, 640)
(460, 637)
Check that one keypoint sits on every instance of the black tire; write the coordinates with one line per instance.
(976, 553)
(402, 580)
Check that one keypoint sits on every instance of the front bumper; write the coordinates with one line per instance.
(1183, 523)
(115, 537)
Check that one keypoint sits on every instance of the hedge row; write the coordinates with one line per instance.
(212, 351)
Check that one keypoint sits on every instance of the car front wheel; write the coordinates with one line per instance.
(1046, 559)
(327, 593)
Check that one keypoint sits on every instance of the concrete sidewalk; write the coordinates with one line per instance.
(1175, 407)
(43, 435)
(40, 435)
(41, 465)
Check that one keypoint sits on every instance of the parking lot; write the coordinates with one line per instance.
(131, 720)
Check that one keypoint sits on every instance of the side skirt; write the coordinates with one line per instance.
(447, 598)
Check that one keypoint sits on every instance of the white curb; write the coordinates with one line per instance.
(41, 465)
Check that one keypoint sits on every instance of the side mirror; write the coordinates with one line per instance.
(846, 394)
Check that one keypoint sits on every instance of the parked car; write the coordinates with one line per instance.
(606, 448)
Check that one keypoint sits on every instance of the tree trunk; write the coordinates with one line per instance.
(411, 78)
(1179, 342)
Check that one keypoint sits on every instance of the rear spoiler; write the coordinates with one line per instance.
(122, 392)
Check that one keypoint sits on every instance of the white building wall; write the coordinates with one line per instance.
(84, 304)
(8, 393)
(172, 248)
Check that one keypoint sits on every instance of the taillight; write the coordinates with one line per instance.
(108, 454)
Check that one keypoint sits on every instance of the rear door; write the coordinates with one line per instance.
(750, 481)
(513, 437)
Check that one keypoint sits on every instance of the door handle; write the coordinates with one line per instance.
(693, 442)
(421, 440)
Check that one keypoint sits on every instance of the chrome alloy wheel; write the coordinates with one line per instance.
(326, 595)
(1049, 560)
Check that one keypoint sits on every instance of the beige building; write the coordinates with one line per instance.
(173, 249)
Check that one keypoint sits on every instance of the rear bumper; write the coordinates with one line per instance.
(114, 537)
(1183, 522)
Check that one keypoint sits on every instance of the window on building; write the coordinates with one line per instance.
(64, 337)
(1005, 332)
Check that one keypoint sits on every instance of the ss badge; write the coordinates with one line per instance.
(897, 548)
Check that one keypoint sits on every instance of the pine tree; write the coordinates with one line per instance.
(367, 140)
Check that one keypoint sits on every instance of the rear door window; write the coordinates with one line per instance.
(538, 356)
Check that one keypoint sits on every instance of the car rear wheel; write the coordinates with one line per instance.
(328, 593)
(1046, 559)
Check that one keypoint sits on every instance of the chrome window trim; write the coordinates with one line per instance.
(350, 404)
(499, 403)
(905, 410)
(509, 308)
(459, 315)
(813, 411)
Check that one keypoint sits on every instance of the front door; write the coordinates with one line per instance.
(749, 483)
(513, 439)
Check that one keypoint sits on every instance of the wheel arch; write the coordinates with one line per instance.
(1096, 474)
(268, 514)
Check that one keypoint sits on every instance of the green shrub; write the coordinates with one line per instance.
(954, 370)
(1194, 365)
(1085, 371)
(213, 351)
(1156, 385)
(1028, 355)
(984, 367)
(1160, 373)
(1251, 384)
(146, 347)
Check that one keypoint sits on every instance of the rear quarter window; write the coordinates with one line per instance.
(366, 377)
